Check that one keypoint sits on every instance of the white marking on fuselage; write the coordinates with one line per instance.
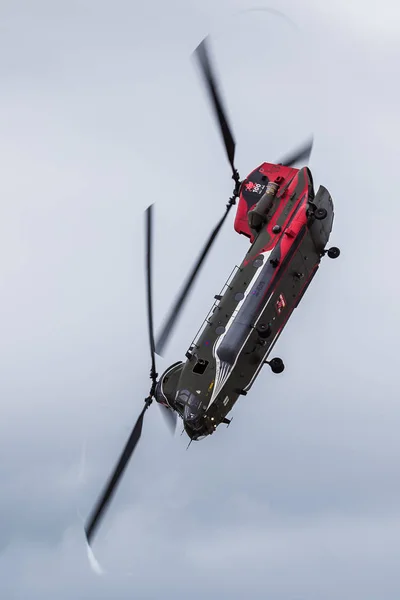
(222, 375)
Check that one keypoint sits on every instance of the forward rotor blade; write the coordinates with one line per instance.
(149, 247)
(215, 96)
(110, 489)
(170, 417)
(177, 307)
(303, 153)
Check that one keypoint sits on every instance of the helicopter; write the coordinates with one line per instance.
(288, 226)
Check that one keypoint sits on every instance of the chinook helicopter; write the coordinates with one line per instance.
(288, 226)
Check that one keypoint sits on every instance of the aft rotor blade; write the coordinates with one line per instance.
(302, 153)
(177, 307)
(149, 248)
(110, 488)
(215, 95)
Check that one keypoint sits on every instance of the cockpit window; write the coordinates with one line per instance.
(192, 408)
(200, 366)
(191, 405)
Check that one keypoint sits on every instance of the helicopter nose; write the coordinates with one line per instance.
(195, 430)
(189, 431)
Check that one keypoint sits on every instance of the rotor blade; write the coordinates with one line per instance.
(177, 307)
(303, 153)
(149, 247)
(109, 490)
(215, 95)
(170, 417)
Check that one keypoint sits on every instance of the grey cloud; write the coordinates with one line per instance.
(102, 113)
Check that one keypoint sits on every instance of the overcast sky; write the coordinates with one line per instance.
(102, 112)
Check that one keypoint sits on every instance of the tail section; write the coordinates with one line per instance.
(290, 183)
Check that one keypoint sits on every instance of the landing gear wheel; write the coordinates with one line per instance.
(320, 213)
(263, 330)
(333, 252)
(277, 365)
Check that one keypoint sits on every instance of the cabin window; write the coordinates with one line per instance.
(200, 366)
